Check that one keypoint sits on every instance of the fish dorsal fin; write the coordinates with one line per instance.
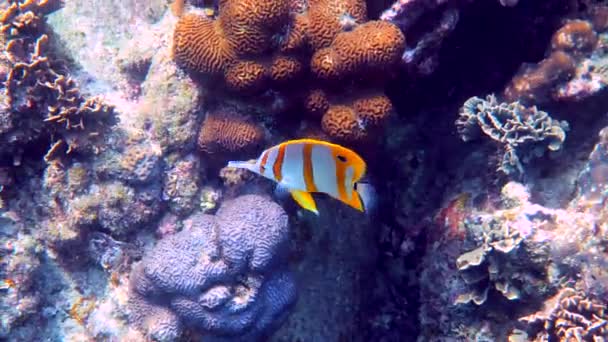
(305, 200)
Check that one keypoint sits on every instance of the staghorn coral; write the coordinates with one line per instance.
(227, 278)
(570, 315)
(523, 132)
(373, 47)
(225, 130)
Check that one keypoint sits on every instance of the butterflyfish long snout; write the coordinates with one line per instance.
(307, 166)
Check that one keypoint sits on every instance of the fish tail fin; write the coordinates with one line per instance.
(242, 165)
(366, 196)
(305, 200)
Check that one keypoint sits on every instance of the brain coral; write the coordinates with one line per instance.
(223, 275)
(354, 120)
(327, 18)
(249, 24)
(226, 130)
(199, 45)
(371, 47)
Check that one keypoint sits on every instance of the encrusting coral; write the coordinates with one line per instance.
(223, 275)
(523, 132)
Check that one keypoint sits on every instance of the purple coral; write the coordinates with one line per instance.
(223, 275)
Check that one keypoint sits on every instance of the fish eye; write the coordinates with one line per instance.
(342, 159)
(355, 186)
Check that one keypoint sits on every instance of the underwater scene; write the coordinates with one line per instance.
(304, 170)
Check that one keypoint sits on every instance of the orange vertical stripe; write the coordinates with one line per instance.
(264, 161)
(309, 178)
(340, 176)
(277, 168)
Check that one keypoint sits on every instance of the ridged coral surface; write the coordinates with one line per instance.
(226, 130)
(225, 275)
(199, 45)
(370, 48)
(326, 19)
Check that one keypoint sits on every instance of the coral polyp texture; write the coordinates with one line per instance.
(355, 120)
(373, 47)
(523, 132)
(226, 130)
(327, 18)
(223, 275)
(199, 45)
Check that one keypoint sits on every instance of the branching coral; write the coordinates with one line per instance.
(42, 101)
(523, 132)
(223, 275)
(570, 315)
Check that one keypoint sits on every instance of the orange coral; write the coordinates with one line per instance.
(316, 102)
(297, 35)
(357, 119)
(327, 18)
(370, 47)
(199, 45)
(575, 36)
(226, 130)
(534, 84)
(373, 109)
(249, 24)
(284, 69)
(341, 123)
(246, 76)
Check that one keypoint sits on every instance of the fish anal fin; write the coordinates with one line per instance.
(355, 201)
(305, 200)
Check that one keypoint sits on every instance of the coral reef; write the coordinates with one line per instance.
(278, 46)
(40, 100)
(570, 315)
(524, 133)
(225, 130)
(238, 288)
(574, 67)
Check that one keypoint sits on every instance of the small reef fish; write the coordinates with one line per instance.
(306, 166)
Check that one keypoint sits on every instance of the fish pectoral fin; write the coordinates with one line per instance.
(305, 200)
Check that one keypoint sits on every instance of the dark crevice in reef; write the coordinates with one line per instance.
(483, 53)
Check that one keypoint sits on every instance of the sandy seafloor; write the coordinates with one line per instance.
(483, 124)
